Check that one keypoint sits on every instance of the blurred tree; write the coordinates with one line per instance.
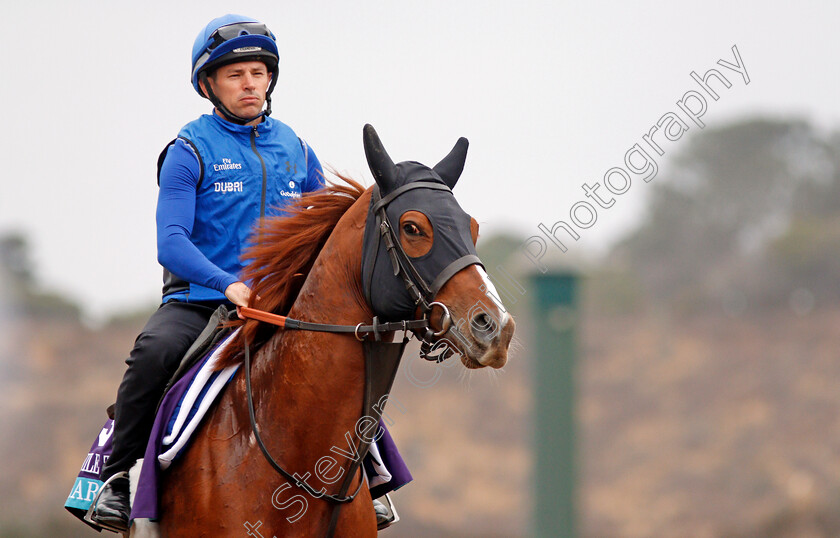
(496, 249)
(14, 259)
(22, 293)
(725, 199)
(806, 254)
(806, 257)
(609, 291)
(821, 198)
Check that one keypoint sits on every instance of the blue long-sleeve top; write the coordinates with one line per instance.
(211, 195)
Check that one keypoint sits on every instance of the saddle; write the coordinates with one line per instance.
(384, 467)
(210, 336)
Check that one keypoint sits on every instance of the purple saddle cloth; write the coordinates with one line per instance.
(384, 467)
(179, 415)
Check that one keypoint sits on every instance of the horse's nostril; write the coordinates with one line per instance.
(483, 327)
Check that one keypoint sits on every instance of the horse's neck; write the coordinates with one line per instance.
(333, 287)
(318, 378)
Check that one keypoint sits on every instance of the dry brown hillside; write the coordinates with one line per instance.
(705, 426)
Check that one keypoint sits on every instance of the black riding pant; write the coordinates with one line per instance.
(156, 355)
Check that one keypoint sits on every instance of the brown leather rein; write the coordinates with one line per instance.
(359, 331)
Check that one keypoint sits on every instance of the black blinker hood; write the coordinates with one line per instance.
(411, 186)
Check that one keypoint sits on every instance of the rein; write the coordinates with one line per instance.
(359, 331)
(376, 327)
(288, 476)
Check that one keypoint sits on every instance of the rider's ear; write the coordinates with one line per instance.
(449, 169)
(381, 166)
(204, 82)
(203, 88)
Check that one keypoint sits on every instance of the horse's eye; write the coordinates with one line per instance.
(411, 229)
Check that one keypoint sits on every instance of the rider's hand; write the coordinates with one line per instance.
(238, 293)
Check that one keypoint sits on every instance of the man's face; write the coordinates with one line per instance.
(241, 87)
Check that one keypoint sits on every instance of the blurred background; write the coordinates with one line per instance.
(704, 361)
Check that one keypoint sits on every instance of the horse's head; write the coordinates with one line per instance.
(419, 258)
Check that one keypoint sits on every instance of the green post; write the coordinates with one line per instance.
(555, 309)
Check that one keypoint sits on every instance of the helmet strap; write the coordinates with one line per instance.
(227, 114)
(267, 111)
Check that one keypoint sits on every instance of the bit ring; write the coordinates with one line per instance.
(446, 320)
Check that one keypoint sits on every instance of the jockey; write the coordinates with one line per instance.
(223, 173)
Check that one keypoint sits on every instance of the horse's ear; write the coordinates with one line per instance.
(449, 169)
(381, 166)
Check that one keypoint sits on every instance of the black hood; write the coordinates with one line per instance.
(411, 186)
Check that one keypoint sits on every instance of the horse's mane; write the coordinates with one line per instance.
(282, 255)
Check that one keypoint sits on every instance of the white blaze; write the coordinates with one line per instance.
(490, 291)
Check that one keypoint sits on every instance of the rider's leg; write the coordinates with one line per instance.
(156, 355)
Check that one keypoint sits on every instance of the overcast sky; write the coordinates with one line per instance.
(551, 95)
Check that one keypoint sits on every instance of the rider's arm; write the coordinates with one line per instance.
(314, 173)
(175, 216)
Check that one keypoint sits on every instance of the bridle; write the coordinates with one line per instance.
(422, 294)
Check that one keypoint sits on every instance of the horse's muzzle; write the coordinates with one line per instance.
(492, 339)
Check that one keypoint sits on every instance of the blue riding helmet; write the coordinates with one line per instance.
(230, 39)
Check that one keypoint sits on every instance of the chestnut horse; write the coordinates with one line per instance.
(308, 387)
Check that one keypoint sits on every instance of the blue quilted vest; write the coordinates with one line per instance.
(246, 173)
